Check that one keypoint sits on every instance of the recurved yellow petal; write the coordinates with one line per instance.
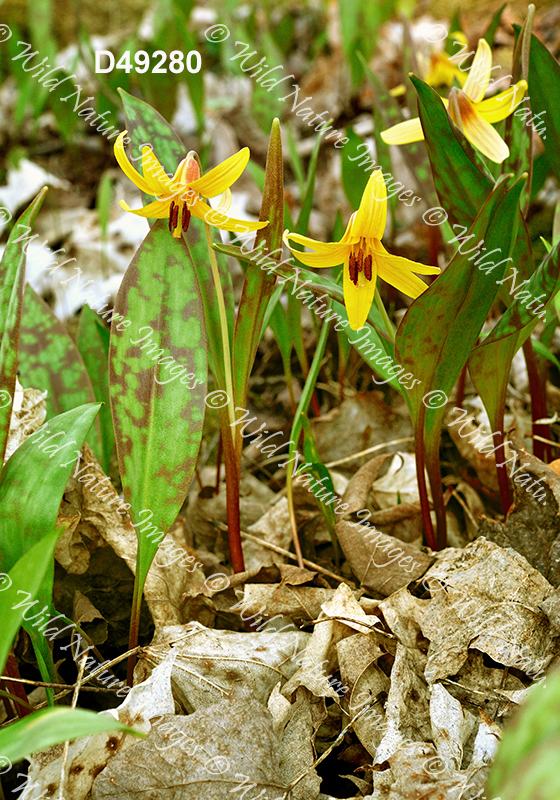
(337, 254)
(156, 210)
(479, 132)
(221, 177)
(358, 299)
(154, 173)
(404, 132)
(371, 216)
(503, 104)
(143, 184)
(380, 252)
(219, 220)
(398, 272)
(480, 72)
(306, 241)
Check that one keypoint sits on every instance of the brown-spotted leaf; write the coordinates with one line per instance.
(157, 376)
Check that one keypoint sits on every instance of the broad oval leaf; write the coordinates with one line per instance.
(157, 377)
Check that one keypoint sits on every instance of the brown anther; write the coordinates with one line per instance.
(353, 269)
(367, 267)
(175, 215)
(171, 208)
(360, 260)
(186, 217)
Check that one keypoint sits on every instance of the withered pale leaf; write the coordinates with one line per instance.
(210, 754)
(209, 663)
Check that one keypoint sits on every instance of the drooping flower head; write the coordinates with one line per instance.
(179, 197)
(470, 111)
(363, 255)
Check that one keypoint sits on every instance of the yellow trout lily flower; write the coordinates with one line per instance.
(469, 111)
(363, 255)
(179, 197)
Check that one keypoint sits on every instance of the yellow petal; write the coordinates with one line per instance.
(404, 132)
(398, 272)
(423, 269)
(479, 132)
(358, 299)
(128, 169)
(503, 104)
(221, 177)
(156, 210)
(154, 173)
(398, 91)
(371, 216)
(224, 203)
(306, 241)
(480, 72)
(215, 218)
(337, 254)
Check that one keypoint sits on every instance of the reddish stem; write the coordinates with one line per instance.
(538, 403)
(422, 488)
(232, 461)
(218, 465)
(503, 482)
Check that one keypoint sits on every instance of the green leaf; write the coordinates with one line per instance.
(54, 726)
(12, 276)
(490, 362)
(258, 285)
(307, 198)
(354, 177)
(544, 91)
(321, 474)
(31, 487)
(462, 181)
(146, 126)
(49, 360)
(26, 577)
(93, 343)
(493, 26)
(157, 377)
(33, 480)
(526, 765)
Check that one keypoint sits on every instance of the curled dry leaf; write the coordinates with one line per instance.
(483, 598)
(209, 663)
(381, 563)
(101, 525)
(532, 528)
(228, 747)
(274, 527)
